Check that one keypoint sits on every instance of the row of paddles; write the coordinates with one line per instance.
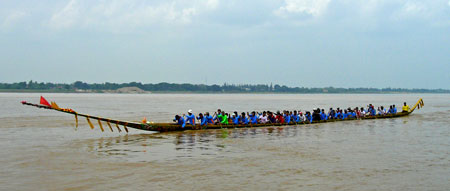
(100, 124)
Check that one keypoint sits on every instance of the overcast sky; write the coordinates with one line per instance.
(310, 43)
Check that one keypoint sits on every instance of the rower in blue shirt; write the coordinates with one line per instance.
(253, 118)
(235, 118)
(349, 113)
(244, 119)
(209, 119)
(323, 116)
(180, 121)
(308, 117)
(331, 114)
(373, 112)
(295, 117)
(202, 119)
(287, 117)
(291, 115)
(394, 109)
(338, 114)
(190, 118)
(353, 113)
(345, 115)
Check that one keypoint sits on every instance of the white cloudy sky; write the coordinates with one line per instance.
(311, 43)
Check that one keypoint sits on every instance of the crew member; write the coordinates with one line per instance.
(209, 118)
(244, 119)
(180, 121)
(405, 107)
(190, 118)
(253, 117)
(202, 119)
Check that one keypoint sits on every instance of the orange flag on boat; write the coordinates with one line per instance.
(54, 105)
(44, 102)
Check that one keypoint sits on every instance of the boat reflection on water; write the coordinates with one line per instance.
(186, 144)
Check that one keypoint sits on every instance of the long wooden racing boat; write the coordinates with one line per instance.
(164, 127)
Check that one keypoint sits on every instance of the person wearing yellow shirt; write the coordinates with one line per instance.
(405, 107)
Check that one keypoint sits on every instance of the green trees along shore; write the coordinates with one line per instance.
(78, 86)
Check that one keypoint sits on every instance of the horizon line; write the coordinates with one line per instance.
(226, 83)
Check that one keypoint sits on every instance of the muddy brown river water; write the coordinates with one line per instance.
(42, 150)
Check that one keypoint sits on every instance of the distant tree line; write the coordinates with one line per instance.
(225, 88)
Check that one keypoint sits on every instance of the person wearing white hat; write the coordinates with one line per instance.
(190, 118)
(235, 118)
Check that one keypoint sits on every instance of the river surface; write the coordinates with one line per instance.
(42, 149)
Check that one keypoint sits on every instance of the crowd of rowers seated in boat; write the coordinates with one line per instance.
(285, 117)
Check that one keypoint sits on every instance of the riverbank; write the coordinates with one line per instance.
(194, 92)
(163, 87)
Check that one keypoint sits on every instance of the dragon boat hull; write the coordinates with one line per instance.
(165, 127)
